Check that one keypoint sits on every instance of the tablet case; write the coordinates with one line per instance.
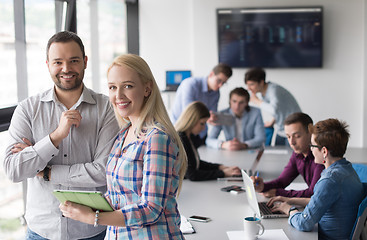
(93, 199)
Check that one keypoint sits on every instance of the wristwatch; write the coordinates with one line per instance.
(292, 209)
(46, 173)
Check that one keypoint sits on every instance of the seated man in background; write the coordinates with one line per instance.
(247, 129)
(205, 90)
(301, 162)
(276, 100)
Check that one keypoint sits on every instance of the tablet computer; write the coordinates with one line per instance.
(93, 199)
(224, 118)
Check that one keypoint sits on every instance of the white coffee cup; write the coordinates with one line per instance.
(252, 228)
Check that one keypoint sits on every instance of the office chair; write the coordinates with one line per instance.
(359, 231)
(361, 170)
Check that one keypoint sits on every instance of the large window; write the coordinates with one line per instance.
(108, 19)
(38, 31)
(8, 94)
(101, 24)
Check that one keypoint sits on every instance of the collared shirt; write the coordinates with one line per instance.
(194, 89)
(142, 183)
(298, 165)
(253, 131)
(239, 128)
(78, 163)
(335, 203)
(279, 102)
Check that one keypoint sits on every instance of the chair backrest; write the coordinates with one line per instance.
(361, 170)
(360, 229)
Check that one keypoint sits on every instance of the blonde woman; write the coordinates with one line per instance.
(147, 162)
(191, 122)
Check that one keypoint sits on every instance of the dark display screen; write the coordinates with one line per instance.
(270, 37)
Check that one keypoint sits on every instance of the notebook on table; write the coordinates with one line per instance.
(260, 208)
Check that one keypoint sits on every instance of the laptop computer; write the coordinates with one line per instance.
(252, 170)
(174, 78)
(259, 208)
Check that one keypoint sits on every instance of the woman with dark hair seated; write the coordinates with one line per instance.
(338, 192)
(191, 122)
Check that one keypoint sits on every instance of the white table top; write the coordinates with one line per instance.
(225, 209)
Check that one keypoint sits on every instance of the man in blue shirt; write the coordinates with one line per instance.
(203, 89)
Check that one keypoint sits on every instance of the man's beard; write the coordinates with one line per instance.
(77, 83)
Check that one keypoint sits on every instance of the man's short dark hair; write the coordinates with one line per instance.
(255, 74)
(65, 37)
(299, 117)
(223, 68)
(243, 93)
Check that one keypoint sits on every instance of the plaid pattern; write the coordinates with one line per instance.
(142, 181)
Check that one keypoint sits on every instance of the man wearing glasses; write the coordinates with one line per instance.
(203, 89)
(301, 162)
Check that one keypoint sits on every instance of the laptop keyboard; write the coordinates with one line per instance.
(265, 209)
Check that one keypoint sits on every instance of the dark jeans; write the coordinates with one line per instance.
(269, 135)
(279, 140)
(34, 236)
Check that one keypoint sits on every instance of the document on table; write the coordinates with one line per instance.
(276, 151)
(269, 234)
(186, 226)
(297, 186)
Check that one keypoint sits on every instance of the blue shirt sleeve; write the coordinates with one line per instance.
(212, 139)
(325, 195)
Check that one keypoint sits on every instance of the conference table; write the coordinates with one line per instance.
(227, 210)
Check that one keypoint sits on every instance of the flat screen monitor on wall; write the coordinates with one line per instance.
(288, 37)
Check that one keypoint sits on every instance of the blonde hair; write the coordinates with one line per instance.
(153, 110)
(191, 115)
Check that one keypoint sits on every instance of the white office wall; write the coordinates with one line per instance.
(181, 34)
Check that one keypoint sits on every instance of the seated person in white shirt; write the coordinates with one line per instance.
(246, 131)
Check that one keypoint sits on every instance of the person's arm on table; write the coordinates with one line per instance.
(212, 139)
(234, 145)
(324, 197)
(258, 183)
(206, 171)
(291, 201)
(289, 173)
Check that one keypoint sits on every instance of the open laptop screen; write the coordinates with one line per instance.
(256, 161)
(174, 78)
